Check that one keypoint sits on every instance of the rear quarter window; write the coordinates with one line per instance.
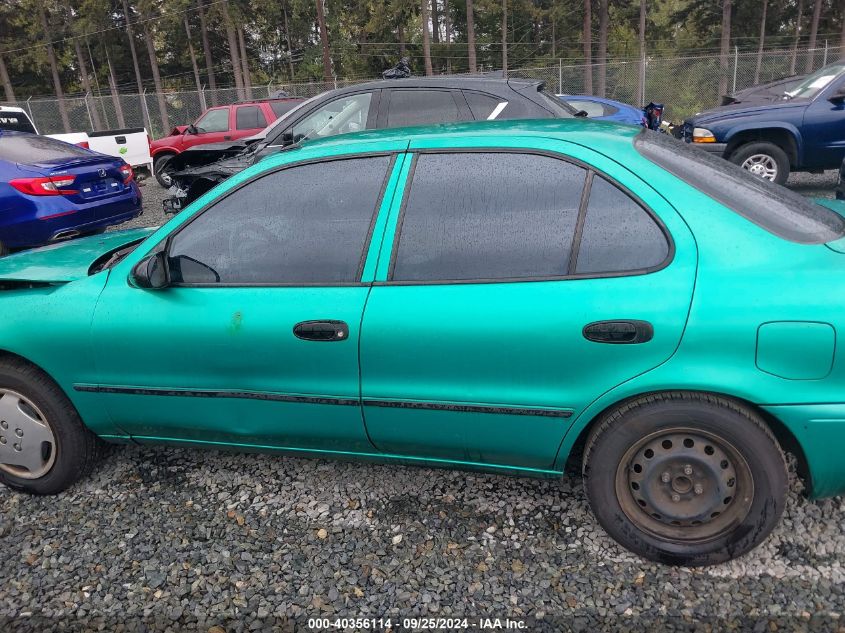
(771, 207)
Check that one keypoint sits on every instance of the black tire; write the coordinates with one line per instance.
(76, 448)
(743, 518)
(763, 148)
(162, 171)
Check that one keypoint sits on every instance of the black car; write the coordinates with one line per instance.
(373, 105)
(840, 184)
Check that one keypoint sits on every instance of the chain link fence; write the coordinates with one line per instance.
(684, 84)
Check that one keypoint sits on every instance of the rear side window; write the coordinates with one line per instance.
(16, 121)
(769, 206)
(302, 225)
(482, 106)
(618, 234)
(249, 117)
(282, 107)
(487, 216)
(421, 107)
(30, 149)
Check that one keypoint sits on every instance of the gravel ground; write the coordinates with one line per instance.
(174, 539)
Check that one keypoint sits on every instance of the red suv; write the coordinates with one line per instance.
(216, 125)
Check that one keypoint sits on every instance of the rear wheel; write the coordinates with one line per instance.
(766, 160)
(162, 170)
(685, 478)
(44, 447)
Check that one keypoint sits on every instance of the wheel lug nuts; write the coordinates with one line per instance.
(676, 498)
(665, 477)
(19, 432)
(698, 489)
(17, 447)
(688, 470)
(2, 439)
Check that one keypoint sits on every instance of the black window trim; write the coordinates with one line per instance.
(576, 239)
(165, 245)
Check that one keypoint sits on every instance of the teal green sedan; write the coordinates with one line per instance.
(508, 296)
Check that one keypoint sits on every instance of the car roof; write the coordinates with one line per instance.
(470, 82)
(11, 109)
(588, 132)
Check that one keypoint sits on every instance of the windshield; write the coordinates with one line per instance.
(560, 109)
(17, 121)
(815, 83)
(772, 207)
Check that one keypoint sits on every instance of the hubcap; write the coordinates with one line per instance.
(27, 444)
(685, 485)
(761, 165)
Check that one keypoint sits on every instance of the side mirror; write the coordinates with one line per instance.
(191, 129)
(287, 138)
(151, 272)
(838, 96)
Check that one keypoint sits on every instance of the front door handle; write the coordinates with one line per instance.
(227, 138)
(619, 332)
(325, 331)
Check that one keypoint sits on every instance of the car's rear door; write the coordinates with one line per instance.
(256, 340)
(249, 119)
(514, 288)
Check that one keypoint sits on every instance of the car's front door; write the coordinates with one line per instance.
(518, 288)
(254, 342)
(824, 129)
(403, 107)
(211, 127)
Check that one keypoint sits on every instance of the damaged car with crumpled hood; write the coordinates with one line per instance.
(372, 105)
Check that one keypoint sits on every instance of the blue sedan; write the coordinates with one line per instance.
(606, 109)
(51, 190)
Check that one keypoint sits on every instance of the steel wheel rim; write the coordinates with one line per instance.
(694, 487)
(27, 444)
(761, 165)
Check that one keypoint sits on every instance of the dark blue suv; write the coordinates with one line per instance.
(803, 131)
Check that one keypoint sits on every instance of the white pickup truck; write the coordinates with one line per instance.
(132, 144)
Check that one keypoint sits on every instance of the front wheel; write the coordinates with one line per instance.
(163, 171)
(766, 160)
(44, 447)
(685, 478)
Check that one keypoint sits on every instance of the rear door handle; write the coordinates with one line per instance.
(325, 331)
(619, 332)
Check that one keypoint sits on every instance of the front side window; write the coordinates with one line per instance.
(421, 107)
(214, 121)
(487, 216)
(618, 234)
(307, 224)
(347, 114)
(249, 118)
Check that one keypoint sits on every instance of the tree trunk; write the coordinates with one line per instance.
(7, 84)
(115, 96)
(641, 74)
(132, 50)
(814, 31)
(194, 65)
(447, 25)
(588, 47)
(400, 33)
(54, 67)
(761, 44)
(324, 40)
(797, 40)
(505, 38)
(604, 18)
(287, 39)
(162, 102)
(435, 22)
(471, 38)
(206, 48)
(426, 38)
(86, 83)
(842, 35)
(232, 39)
(724, 47)
(245, 64)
